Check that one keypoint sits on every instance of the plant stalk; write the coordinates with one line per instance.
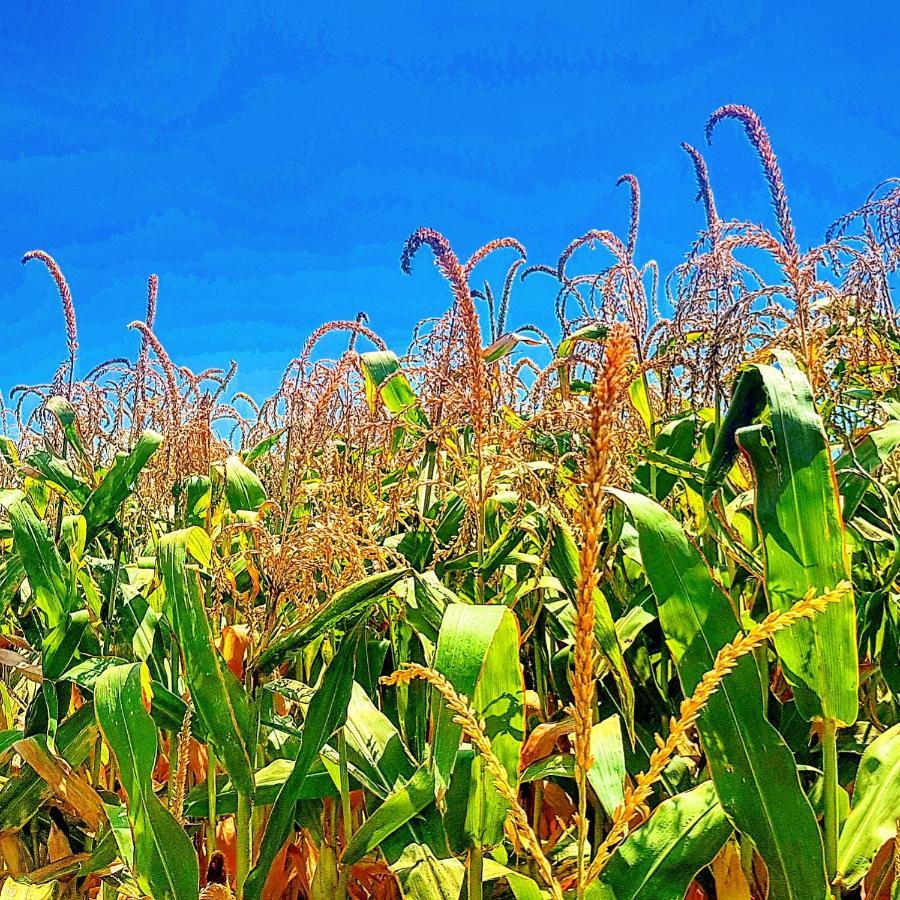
(475, 872)
(830, 821)
(212, 764)
(244, 842)
(346, 812)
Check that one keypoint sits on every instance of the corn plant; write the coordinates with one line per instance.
(607, 614)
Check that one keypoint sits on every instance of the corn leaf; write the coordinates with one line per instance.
(243, 489)
(165, 864)
(327, 712)
(384, 379)
(47, 575)
(874, 809)
(478, 651)
(397, 810)
(345, 604)
(853, 466)
(798, 512)
(119, 482)
(607, 773)
(220, 702)
(752, 767)
(22, 796)
(661, 858)
(68, 421)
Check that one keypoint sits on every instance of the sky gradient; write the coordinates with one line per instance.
(269, 165)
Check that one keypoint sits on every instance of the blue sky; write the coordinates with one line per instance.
(268, 161)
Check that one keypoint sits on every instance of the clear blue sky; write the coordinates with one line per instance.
(269, 161)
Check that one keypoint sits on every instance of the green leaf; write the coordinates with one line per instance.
(59, 474)
(798, 512)
(875, 807)
(101, 506)
(47, 575)
(591, 333)
(870, 454)
(8, 738)
(752, 767)
(165, 864)
(65, 415)
(351, 601)
(640, 400)
(269, 781)
(661, 858)
(673, 450)
(399, 808)
(505, 345)
(327, 712)
(384, 378)
(425, 877)
(243, 489)
(220, 702)
(523, 887)
(607, 774)
(263, 447)
(478, 652)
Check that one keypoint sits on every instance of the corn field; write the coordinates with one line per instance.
(608, 613)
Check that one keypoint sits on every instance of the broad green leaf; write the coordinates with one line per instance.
(505, 345)
(590, 333)
(58, 473)
(798, 512)
(12, 574)
(374, 746)
(870, 454)
(351, 601)
(243, 489)
(499, 700)
(673, 449)
(478, 652)
(48, 577)
(398, 809)
(262, 448)
(165, 864)
(65, 415)
(327, 712)
(752, 767)
(607, 773)
(423, 876)
(375, 752)
(875, 807)
(384, 378)
(269, 781)
(120, 829)
(220, 702)
(9, 737)
(166, 708)
(524, 888)
(119, 482)
(58, 649)
(640, 400)
(198, 496)
(660, 859)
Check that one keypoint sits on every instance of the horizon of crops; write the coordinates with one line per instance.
(462, 622)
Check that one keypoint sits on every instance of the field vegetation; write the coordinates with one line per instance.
(607, 613)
